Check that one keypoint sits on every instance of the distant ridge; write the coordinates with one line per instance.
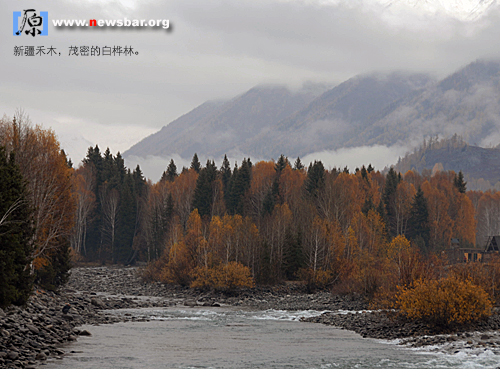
(375, 109)
(480, 166)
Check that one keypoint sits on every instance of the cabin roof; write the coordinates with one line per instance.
(493, 243)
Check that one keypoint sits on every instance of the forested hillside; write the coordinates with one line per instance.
(480, 166)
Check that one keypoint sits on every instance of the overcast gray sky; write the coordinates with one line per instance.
(219, 49)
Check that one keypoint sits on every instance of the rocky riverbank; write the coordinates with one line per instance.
(390, 325)
(41, 329)
(30, 335)
(125, 281)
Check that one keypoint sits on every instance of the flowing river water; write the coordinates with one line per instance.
(237, 338)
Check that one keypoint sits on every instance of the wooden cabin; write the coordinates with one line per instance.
(458, 255)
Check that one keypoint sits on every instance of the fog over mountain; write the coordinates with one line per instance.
(466, 103)
(219, 127)
(375, 114)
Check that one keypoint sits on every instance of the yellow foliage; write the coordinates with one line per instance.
(40, 262)
(444, 302)
(223, 277)
(179, 267)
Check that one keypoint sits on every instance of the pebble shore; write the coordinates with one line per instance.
(44, 327)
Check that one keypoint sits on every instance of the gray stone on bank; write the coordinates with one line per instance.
(42, 328)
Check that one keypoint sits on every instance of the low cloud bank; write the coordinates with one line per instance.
(379, 156)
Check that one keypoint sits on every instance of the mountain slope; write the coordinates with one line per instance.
(366, 110)
(214, 129)
(466, 103)
(336, 116)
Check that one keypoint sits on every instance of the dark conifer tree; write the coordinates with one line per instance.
(120, 169)
(56, 272)
(294, 257)
(418, 224)
(139, 183)
(298, 164)
(108, 168)
(16, 234)
(268, 203)
(281, 164)
(203, 193)
(126, 225)
(238, 186)
(315, 178)
(364, 173)
(94, 228)
(391, 183)
(171, 173)
(225, 173)
(367, 206)
(195, 163)
(460, 183)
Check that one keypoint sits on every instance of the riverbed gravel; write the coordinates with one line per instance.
(43, 328)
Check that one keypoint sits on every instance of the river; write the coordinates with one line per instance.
(237, 338)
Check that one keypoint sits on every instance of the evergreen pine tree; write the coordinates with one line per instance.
(281, 164)
(294, 257)
(203, 192)
(238, 186)
(368, 205)
(16, 234)
(225, 173)
(195, 163)
(268, 203)
(171, 173)
(140, 184)
(418, 224)
(391, 183)
(364, 173)
(93, 237)
(315, 178)
(56, 272)
(298, 164)
(460, 183)
(119, 169)
(126, 225)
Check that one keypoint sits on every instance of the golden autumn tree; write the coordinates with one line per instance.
(182, 251)
(44, 166)
(440, 223)
(261, 186)
(367, 245)
(219, 265)
(465, 223)
(291, 186)
(182, 190)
